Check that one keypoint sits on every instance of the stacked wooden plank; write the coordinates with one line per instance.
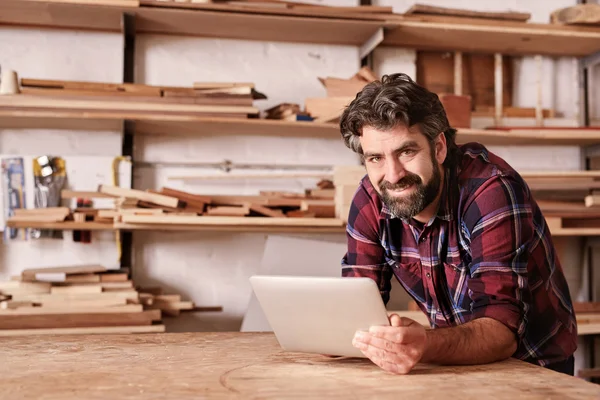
(115, 3)
(346, 180)
(218, 99)
(81, 299)
(340, 92)
(287, 112)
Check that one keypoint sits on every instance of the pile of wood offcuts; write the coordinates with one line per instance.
(214, 99)
(176, 208)
(81, 300)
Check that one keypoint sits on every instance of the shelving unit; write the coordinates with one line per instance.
(226, 22)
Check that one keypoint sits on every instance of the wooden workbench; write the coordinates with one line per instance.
(246, 365)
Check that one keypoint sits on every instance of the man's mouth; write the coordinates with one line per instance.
(400, 189)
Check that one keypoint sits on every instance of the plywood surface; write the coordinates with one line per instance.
(247, 365)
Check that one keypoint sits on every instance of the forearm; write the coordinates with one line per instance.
(479, 341)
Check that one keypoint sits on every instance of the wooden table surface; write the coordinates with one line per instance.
(246, 365)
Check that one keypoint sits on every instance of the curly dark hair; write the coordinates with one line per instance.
(397, 100)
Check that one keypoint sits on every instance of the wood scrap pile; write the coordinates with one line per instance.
(340, 92)
(218, 99)
(314, 207)
(287, 112)
(580, 14)
(82, 299)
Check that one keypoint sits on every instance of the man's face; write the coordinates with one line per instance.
(403, 168)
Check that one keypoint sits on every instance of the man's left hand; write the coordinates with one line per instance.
(396, 348)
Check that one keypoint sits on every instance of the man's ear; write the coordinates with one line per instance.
(441, 150)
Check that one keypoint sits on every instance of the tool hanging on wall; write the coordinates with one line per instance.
(13, 190)
(50, 177)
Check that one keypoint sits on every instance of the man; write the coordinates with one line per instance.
(460, 230)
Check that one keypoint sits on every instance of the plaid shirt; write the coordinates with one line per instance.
(487, 253)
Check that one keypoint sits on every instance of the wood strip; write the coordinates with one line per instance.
(267, 211)
(68, 270)
(74, 194)
(46, 321)
(418, 9)
(92, 86)
(159, 199)
(77, 297)
(76, 289)
(314, 12)
(113, 277)
(11, 287)
(21, 100)
(238, 221)
(100, 330)
(228, 211)
(113, 3)
(67, 310)
(586, 307)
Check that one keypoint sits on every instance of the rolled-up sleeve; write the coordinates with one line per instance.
(365, 255)
(500, 227)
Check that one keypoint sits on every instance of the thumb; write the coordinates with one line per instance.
(395, 320)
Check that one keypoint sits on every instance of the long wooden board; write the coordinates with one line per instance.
(238, 221)
(59, 320)
(42, 103)
(250, 366)
(99, 330)
(67, 270)
(433, 10)
(159, 199)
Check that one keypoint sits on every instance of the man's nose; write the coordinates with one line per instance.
(394, 172)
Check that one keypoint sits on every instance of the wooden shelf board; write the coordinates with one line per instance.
(193, 125)
(68, 225)
(231, 228)
(534, 137)
(433, 33)
(229, 25)
(226, 25)
(234, 226)
(509, 38)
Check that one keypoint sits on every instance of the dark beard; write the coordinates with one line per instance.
(412, 205)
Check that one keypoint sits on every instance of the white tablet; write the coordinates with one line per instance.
(319, 314)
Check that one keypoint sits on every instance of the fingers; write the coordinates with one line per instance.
(386, 360)
(380, 346)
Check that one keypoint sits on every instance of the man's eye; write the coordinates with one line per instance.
(374, 159)
(409, 152)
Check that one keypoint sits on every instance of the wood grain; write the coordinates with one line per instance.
(247, 365)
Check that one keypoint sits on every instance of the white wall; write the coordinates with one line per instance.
(212, 268)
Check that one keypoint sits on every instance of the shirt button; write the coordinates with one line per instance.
(428, 275)
(424, 238)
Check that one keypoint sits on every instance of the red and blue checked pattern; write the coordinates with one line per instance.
(487, 253)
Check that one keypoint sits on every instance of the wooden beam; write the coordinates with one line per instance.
(498, 89)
